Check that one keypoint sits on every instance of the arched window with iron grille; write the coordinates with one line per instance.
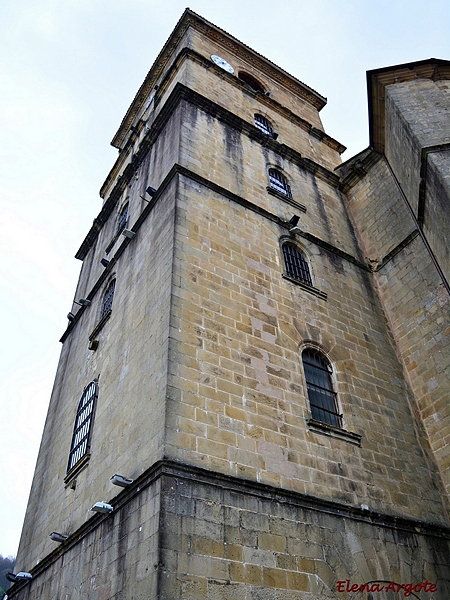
(296, 265)
(82, 430)
(123, 218)
(264, 125)
(108, 298)
(278, 182)
(321, 396)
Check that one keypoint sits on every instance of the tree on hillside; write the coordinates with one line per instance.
(6, 566)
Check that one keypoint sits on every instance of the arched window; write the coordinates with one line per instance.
(82, 430)
(108, 299)
(296, 265)
(322, 398)
(251, 81)
(123, 218)
(279, 183)
(264, 125)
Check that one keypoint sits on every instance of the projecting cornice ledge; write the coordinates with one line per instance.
(433, 68)
(172, 473)
(354, 169)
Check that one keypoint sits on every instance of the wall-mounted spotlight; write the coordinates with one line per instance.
(70, 316)
(150, 191)
(294, 222)
(21, 576)
(93, 345)
(120, 480)
(104, 262)
(83, 302)
(128, 233)
(58, 537)
(275, 136)
(102, 507)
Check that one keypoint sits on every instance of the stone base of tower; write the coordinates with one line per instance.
(183, 533)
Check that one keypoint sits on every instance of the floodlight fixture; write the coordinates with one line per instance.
(102, 507)
(104, 262)
(293, 221)
(58, 537)
(70, 316)
(120, 480)
(83, 302)
(128, 233)
(21, 576)
(150, 191)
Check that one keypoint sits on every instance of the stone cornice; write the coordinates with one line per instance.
(168, 470)
(220, 37)
(175, 171)
(180, 93)
(267, 101)
(356, 168)
(432, 68)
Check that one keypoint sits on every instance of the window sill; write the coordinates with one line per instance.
(335, 432)
(286, 198)
(76, 469)
(306, 287)
(100, 325)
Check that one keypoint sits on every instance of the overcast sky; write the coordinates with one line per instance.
(68, 72)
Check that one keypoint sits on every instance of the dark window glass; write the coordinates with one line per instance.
(251, 81)
(108, 298)
(123, 217)
(83, 425)
(296, 265)
(279, 183)
(322, 398)
(264, 125)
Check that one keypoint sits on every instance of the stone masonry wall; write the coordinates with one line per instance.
(112, 557)
(237, 400)
(223, 542)
(416, 303)
(131, 363)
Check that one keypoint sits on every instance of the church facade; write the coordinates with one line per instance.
(259, 347)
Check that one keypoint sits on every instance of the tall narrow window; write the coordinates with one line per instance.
(264, 125)
(108, 299)
(322, 398)
(296, 265)
(123, 218)
(279, 183)
(82, 431)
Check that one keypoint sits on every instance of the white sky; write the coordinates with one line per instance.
(68, 72)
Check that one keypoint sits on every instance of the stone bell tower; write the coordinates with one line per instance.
(241, 348)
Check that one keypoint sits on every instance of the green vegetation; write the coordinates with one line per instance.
(6, 565)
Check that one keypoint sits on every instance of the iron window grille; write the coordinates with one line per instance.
(263, 125)
(322, 398)
(123, 218)
(279, 183)
(296, 265)
(81, 438)
(108, 298)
